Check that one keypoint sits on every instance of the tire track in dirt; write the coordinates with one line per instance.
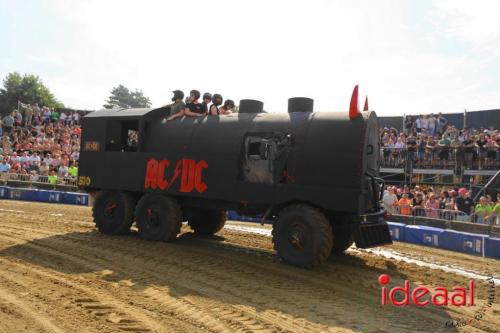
(236, 280)
(228, 312)
(93, 299)
(244, 270)
(33, 320)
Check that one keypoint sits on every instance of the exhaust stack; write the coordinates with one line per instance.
(251, 106)
(300, 104)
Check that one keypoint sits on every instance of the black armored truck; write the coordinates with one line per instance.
(314, 174)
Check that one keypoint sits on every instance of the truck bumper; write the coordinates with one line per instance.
(372, 231)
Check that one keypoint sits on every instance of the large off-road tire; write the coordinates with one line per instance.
(302, 236)
(158, 217)
(343, 238)
(206, 221)
(113, 212)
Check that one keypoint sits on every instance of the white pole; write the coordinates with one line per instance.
(465, 119)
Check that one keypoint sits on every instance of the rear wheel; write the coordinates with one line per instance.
(206, 221)
(113, 212)
(302, 236)
(158, 217)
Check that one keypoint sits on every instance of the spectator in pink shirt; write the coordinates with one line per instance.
(432, 206)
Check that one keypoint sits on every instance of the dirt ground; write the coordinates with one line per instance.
(57, 274)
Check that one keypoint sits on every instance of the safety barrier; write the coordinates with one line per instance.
(70, 198)
(459, 241)
(446, 215)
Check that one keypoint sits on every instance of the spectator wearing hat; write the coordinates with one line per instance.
(464, 204)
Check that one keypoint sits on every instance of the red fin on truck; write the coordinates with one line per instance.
(354, 108)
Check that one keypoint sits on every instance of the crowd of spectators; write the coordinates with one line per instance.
(429, 142)
(446, 203)
(39, 144)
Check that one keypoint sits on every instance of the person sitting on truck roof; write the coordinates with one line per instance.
(227, 107)
(214, 108)
(178, 103)
(207, 99)
(193, 109)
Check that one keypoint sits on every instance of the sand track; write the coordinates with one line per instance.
(59, 275)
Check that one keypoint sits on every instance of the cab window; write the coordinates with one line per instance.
(122, 135)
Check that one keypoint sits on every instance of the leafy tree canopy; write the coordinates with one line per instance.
(122, 97)
(28, 89)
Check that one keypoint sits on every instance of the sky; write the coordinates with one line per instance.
(409, 57)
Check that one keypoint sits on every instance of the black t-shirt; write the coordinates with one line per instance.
(197, 108)
(464, 205)
(204, 106)
(468, 149)
(417, 202)
(481, 144)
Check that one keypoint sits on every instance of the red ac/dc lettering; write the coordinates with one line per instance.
(190, 172)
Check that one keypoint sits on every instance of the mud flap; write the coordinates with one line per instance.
(372, 234)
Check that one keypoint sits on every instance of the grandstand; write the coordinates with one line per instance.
(403, 166)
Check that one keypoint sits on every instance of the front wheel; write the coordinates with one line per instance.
(158, 217)
(113, 212)
(302, 236)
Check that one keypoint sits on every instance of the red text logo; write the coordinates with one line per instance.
(423, 296)
(190, 172)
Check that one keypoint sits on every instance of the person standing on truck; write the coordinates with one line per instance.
(214, 108)
(192, 109)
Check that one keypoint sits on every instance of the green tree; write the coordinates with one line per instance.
(122, 97)
(28, 89)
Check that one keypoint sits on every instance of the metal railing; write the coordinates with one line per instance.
(446, 214)
(34, 180)
(441, 157)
